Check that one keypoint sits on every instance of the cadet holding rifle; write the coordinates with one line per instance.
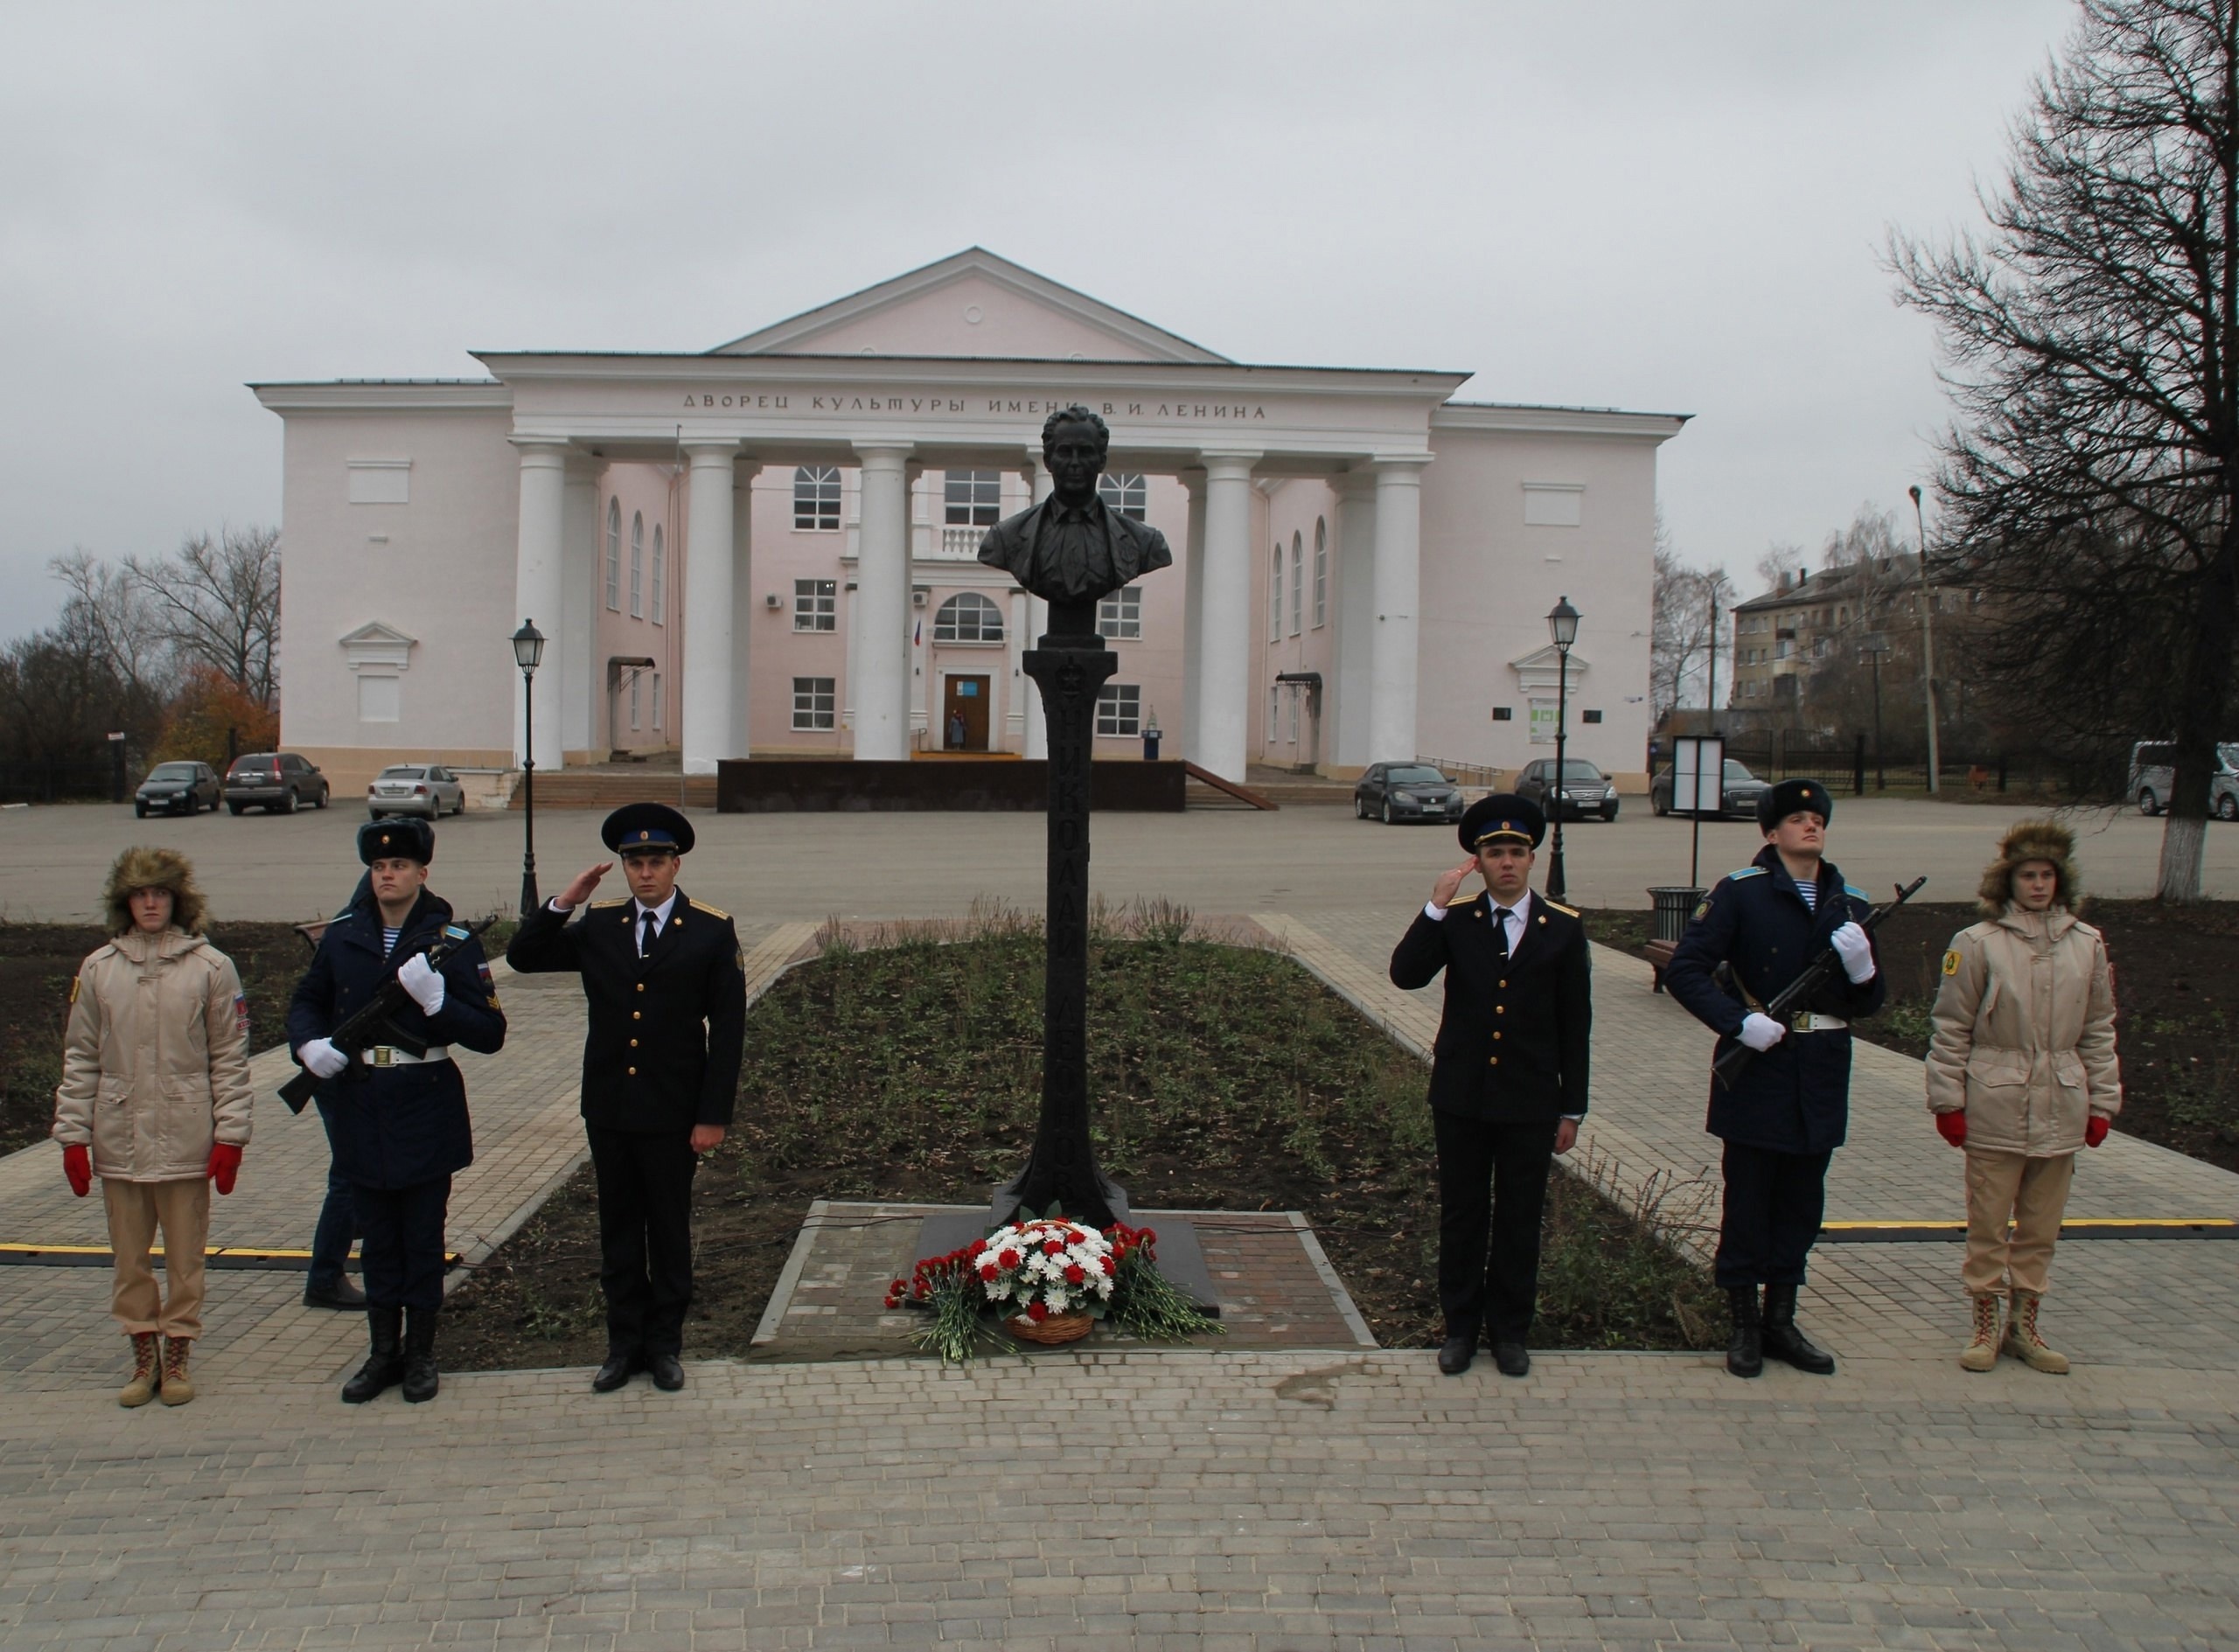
(396, 1111)
(1783, 1115)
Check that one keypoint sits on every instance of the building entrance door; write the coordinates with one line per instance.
(964, 713)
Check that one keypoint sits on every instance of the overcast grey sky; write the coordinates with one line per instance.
(1647, 203)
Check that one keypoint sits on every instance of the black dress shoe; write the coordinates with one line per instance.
(614, 1373)
(341, 1294)
(1513, 1358)
(668, 1371)
(1781, 1340)
(1455, 1353)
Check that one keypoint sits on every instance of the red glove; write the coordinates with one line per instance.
(78, 1165)
(1952, 1126)
(225, 1164)
(2094, 1131)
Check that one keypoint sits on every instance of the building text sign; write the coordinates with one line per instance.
(921, 406)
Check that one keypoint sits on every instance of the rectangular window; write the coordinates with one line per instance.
(658, 702)
(637, 581)
(1126, 493)
(813, 702)
(637, 698)
(1275, 599)
(816, 604)
(377, 700)
(1118, 708)
(1503, 713)
(1120, 615)
(816, 498)
(1594, 717)
(1321, 578)
(660, 580)
(1298, 582)
(1543, 722)
(972, 499)
(1294, 697)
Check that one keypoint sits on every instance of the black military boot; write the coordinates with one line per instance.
(421, 1379)
(1784, 1342)
(1745, 1352)
(384, 1367)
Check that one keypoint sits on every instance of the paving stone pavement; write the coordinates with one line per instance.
(1313, 1499)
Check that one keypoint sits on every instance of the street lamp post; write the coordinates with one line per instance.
(1874, 646)
(1562, 625)
(1927, 644)
(528, 650)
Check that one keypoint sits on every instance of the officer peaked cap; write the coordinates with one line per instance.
(393, 840)
(1503, 816)
(1776, 802)
(646, 825)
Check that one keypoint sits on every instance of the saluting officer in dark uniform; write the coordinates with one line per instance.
(667, 992)
(398, 1128)
(1789, 1109)
(1508, 1083)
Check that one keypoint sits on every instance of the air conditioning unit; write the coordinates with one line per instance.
(772, 601)
(918, 594)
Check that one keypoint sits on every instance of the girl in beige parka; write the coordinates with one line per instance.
(2021, 1073)
(155, 1101)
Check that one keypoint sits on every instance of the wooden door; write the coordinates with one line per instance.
(964, 713)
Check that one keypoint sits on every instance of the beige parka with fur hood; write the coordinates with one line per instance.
(155, 1062)
(2025, 1014)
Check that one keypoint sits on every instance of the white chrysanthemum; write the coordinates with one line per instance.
(1058, 1300)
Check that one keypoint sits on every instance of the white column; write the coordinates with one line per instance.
(744, 601)
(540, 594)
(1037, 619)
(1191, 740)
(1021, 684)
(708, 734)
(1398, 592)
(1356, 552)
(1224, 675)
(578, 640)
(881, 670)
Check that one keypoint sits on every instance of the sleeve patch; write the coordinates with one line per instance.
(1951, 961)
(241, 1014)
(1702, 910)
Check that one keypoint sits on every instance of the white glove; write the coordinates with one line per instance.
(1855, 947)
(1761, 1033)
(418, 978)
(321, 1059)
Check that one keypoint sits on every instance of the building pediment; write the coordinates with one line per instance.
(380, 647)
(971, 304)
(1541, 671)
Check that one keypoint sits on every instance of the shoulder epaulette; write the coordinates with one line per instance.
(712, 911)
(1568, 911)
(1462, 900)
(601, 906)
(1857, 893)
(1745, 872)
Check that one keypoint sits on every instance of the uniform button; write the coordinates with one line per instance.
(1497, 1060)
(1504, 983)
(637, 1015)
(641, 987)
(633, 1043)
(1500, 1009)
(1496, 1037)
(633, 1072)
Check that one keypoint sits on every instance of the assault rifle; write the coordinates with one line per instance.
(1798, 992)
(372, 1025)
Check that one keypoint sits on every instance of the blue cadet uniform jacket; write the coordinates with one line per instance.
(397, 1126)
(1513, 1040)
(1794, 1098)
(668, 1030)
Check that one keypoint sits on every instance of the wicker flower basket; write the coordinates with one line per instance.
(1059, 1328)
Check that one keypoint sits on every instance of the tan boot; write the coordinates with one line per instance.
(142, 1388)
(178, 1386)
(2023, 1342)
(1982, 1346)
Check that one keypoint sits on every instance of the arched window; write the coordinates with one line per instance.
(1126, 494)
(661, 582)
(1275, 596)
(968, 617)
(816, 498)
(614, 552)
(638, 566)
(1298, 580)
(1321, 572)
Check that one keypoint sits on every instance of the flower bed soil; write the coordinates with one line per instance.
(2176, 990)
(1221, 1078)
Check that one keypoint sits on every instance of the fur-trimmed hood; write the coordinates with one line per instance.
(2032, 840)
(144, 868)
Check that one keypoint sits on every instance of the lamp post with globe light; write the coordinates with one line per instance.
(529, 651)
(1562, 625)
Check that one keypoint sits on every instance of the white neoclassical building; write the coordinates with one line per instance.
(771, 548)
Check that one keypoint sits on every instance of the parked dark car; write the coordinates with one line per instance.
(176, 788)
(274, 780)
(1395, 791)
(1739, 790)
(1585, 790)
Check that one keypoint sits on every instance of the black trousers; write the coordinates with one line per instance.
(1775, 1202)
(337, 1222)
(1492, 1192)
(645, 1237)
(402, 1252)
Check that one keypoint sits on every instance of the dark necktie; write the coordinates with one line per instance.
(645, 935)
(1500, 928)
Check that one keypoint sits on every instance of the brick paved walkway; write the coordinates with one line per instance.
(1347, 1498)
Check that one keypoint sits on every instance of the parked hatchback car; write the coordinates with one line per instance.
(1738, 790)
(1585, 790)
(415, 788)
(270, 780)
(176, 788)
(1395, 791)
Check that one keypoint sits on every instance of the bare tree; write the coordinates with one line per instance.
(109, 607)
(1779, 562)
(1688, 602)
(218, 601)
(2090, 482)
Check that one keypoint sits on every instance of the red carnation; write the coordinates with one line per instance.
(893, 1302)
(975, 1247)
(1075, 1273)
(1146, 1236)
(1053, 1247)
(987, 1272)
(920, 1287)
(1037, 1312)
(1110, 1267)
(1009, 1258)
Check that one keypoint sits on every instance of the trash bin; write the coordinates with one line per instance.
(1674, 906)
(1150, 745)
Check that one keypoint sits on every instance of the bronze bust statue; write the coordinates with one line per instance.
(1073, 549)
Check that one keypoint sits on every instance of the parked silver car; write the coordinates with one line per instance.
(2153, 772)
(415, 788)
